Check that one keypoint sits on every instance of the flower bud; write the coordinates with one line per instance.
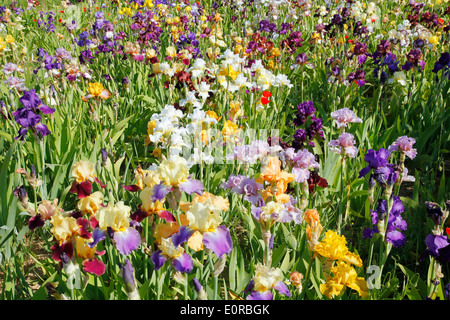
(127, 274)
(201, 293)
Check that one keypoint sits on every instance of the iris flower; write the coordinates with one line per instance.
(97, 91)
(344, 145)
(395, 226)
(84, 173)
(438, 247)
(344, 116)
(265, 280)
(113, 221)
(29, 116)
(375, 160)
(301, 161)
(344, 275)
(71, 233)
(174, 173)
(334, 247)
(404, 144)
(171, 249)
(205, 224)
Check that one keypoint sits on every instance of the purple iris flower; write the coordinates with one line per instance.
(375, 160)
(244, 186)
(191, 186)
(85, 56)
(233, 181)
(29, 117)
(443, 63)
(396, 225)
(434, 212)
(304, 110)
(438, 246)
(386, 175)
(83, 40)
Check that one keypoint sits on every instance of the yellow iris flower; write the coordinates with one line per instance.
(63, 227)
(334, 247)
(114, 216)
(344, 275)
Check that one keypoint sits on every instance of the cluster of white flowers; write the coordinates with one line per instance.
(368, 14)
(167, 130)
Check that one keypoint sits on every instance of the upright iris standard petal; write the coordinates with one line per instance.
(219, 241)
(182, 236)
(160, 191)
(97, 236)
(127, 241)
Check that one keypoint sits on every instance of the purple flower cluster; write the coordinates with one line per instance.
(190, 43)
(314, 126)
(49, 24)
(443, 63)
(292, 42)
(267, 26)
(358, 77)
(396, 225)
(414, 60)
(148, 31)
(245, 186)
(29, 116)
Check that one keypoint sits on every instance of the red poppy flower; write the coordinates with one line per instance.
(264, 100)
(266, 94)
(448, 231)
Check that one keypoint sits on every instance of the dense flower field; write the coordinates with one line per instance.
(224, 150)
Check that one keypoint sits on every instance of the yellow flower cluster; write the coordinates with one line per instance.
(338, 264)
(4, 42)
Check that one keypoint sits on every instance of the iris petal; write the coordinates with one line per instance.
(282, 288)
(265, 295)
(218, 241)
(97, 236)
(158, 259)
(183, 263)
(95, 266)
(127, 241)
(191, 186)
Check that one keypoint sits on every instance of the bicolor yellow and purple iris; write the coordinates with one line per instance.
(113, 221)
(171, 249)
(204, 220)
(174, 173)
(265, 280)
